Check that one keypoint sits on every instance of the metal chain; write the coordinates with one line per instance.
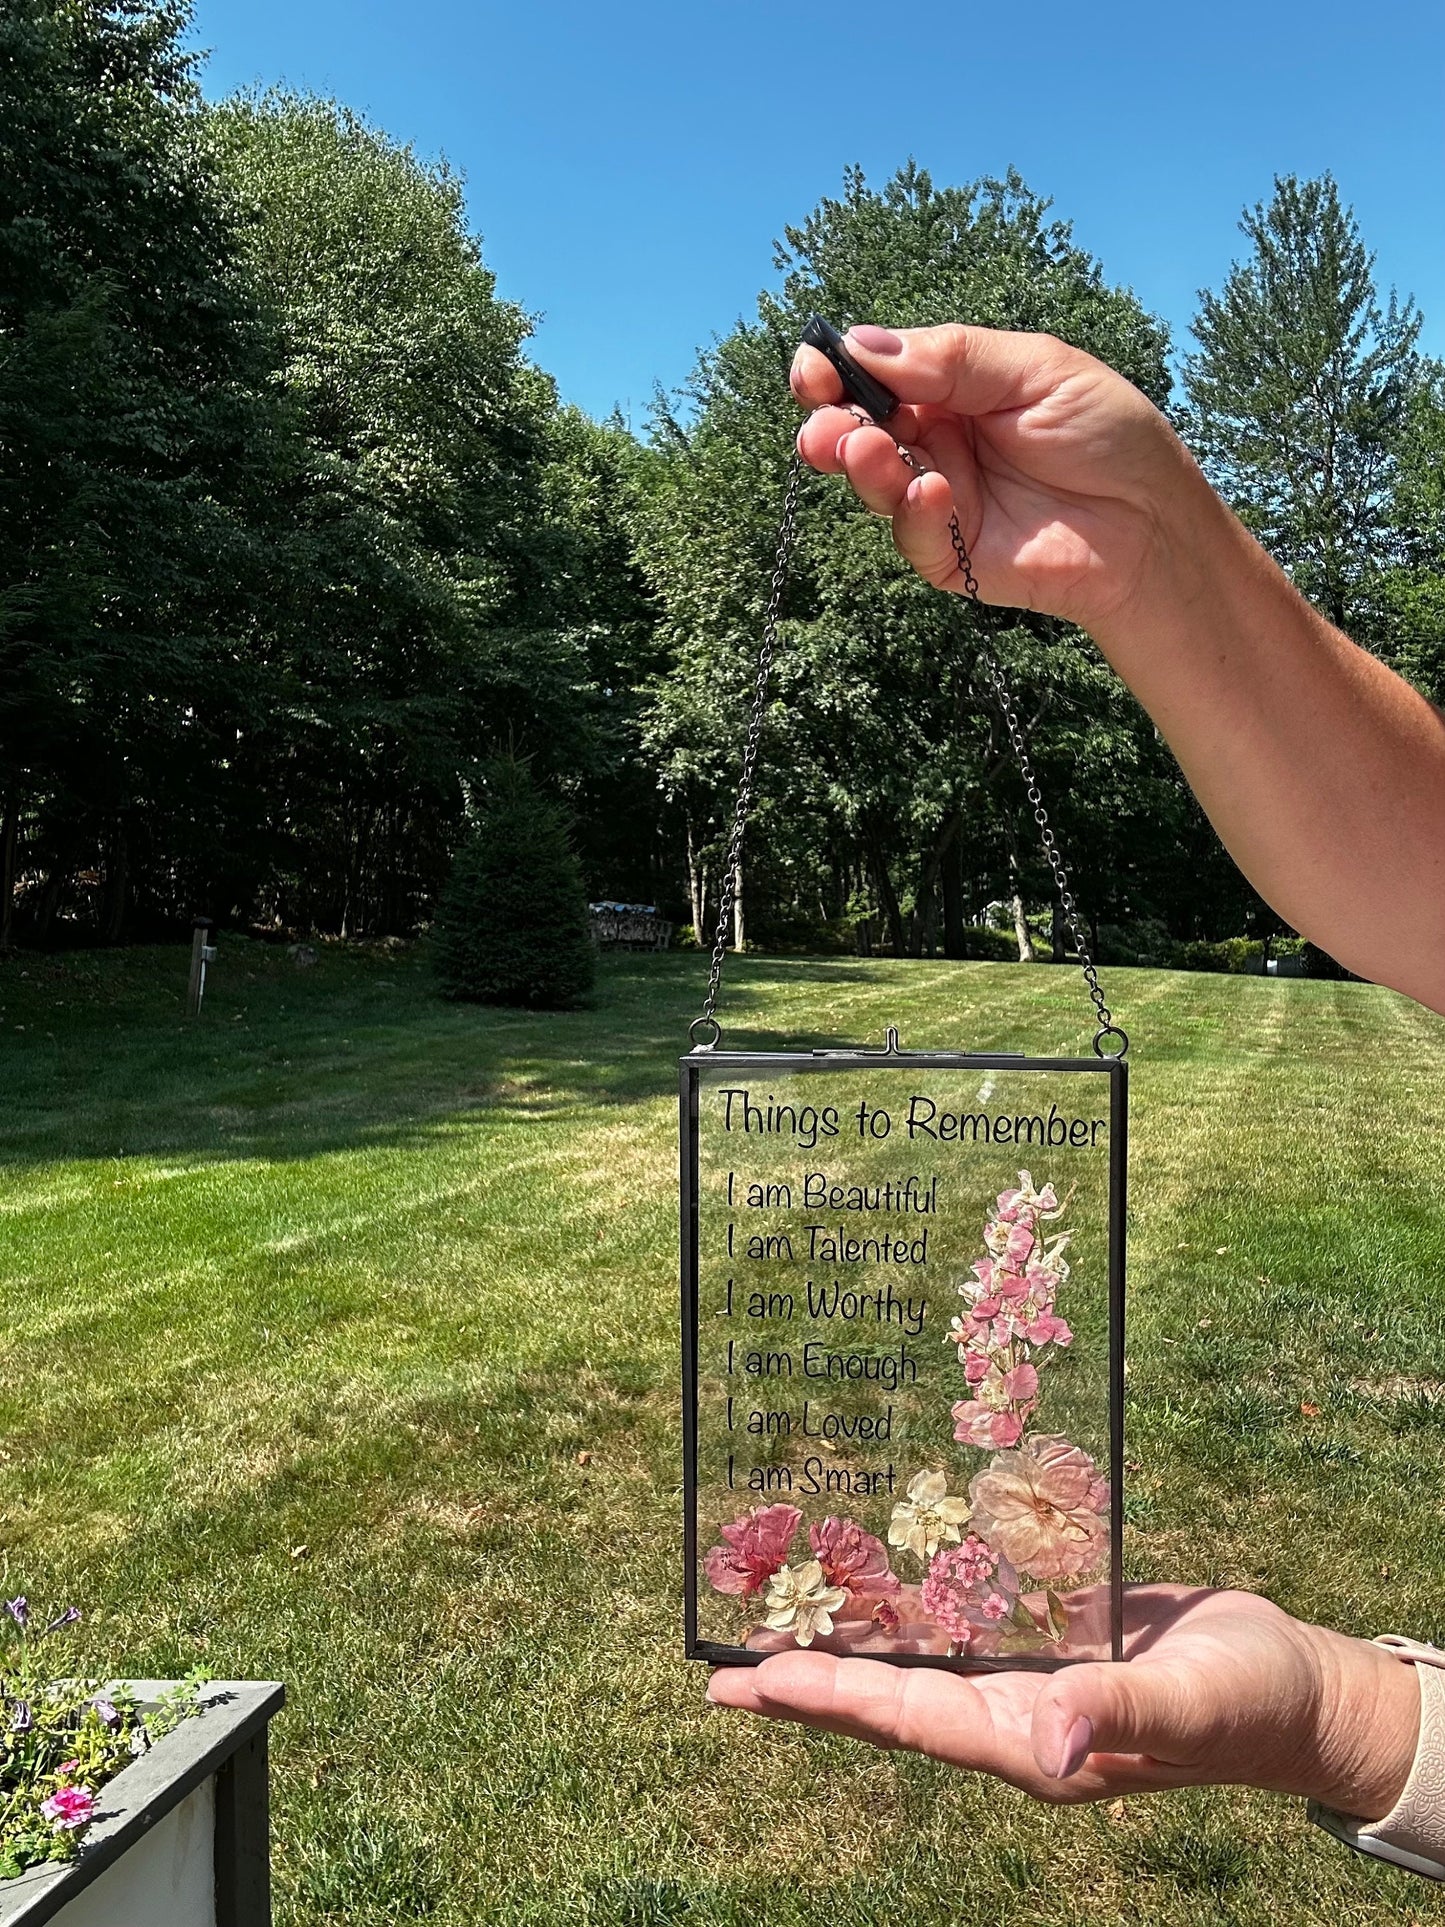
(707, 1023)
(1003, 695)
(699, 1029)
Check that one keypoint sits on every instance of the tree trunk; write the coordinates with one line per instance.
(1021, 930)
(9, 837)
(117, 884)
(56, 879)
(888, 899)
(696, 884)
(1059, 933)
(925, 914)
(1016, 902)
(951, 879)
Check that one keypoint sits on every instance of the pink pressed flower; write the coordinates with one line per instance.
(1014, 1204)
(1019, 1245)
(851, 1557)
(1007, 1429)
(986, 1308)
(984, 1271)
(975, 1367)
(757, 1545)
(969, 1589)
(1048, 1329)
(983, 1425)
(1012, 1289)
(1044, 1507)
(885, 1614)
(71, 1807)
(1020, 1384)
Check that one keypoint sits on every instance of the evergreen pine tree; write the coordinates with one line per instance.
(512, 925)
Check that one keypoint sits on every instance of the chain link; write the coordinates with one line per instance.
(787, 529)
(705, 1031)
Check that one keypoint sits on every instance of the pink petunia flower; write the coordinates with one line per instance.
(756, 1546)
(71, 1807)
(851, 1557)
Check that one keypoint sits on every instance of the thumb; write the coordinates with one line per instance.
(971, 371)
(1130, 1706)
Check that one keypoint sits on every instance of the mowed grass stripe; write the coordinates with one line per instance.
(341, 1345)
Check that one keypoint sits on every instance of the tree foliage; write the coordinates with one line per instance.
(512, 925)
(1300, 389)
(888, 785)
(139, 443)
(296, 542)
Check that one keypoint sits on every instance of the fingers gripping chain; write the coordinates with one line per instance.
(1109, 1039)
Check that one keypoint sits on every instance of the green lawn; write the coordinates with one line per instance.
(341, 1348)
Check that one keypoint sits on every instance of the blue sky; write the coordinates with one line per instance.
(629, 165)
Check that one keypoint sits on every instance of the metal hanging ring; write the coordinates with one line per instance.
(1110, 1030)
(704, 1024)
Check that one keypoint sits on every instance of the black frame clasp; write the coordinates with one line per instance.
(858, 385)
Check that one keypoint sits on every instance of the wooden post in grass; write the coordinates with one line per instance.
(202, 953)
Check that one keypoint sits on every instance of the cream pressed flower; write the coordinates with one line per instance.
(801, 1602)
(927, 1518)
(1044, 1508)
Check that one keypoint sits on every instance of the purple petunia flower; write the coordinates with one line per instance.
(21, 1717)
(107, 1710)
(19, 1611)
(67, 1618)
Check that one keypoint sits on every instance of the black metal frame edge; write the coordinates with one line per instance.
(716, 1653)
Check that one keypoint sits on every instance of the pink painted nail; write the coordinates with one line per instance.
(1078, 1742)
(877, 341)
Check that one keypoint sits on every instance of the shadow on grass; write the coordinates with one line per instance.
(98, 1061)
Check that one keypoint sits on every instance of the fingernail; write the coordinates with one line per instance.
(1078, 1742)
(878, 341)
(838, 448)
(914, 492)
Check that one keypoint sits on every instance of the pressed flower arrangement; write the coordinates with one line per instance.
(972, 1563)
(62, 1739)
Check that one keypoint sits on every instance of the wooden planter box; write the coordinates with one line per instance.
(182, 1833)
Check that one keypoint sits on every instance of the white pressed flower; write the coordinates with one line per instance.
(927, 1518)
(801, 1602)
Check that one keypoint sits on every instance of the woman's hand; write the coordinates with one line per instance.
(1218, 1687)
(1058, 468)
(1323, 772)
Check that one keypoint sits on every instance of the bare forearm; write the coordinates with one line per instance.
(1323, 772)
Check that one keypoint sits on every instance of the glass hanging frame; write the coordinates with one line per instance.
(1096, 1632)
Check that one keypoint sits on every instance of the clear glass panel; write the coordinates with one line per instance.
(903, 1345)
